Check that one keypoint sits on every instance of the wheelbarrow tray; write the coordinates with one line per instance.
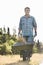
(21, 46)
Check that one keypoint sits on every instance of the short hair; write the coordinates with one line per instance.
(27, 8)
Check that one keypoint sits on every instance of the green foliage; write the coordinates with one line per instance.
(14, 38)
(6, 41)
(2, 39)
(6, 48)
(2, 49)
(11, 42)
(35, 49)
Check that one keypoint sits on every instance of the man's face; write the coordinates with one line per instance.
(27, 11)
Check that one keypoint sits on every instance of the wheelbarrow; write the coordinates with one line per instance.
(24, 49)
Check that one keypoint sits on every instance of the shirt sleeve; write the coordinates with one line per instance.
(20, 24)
(34, 23)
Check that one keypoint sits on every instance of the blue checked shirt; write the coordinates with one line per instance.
(27, 25)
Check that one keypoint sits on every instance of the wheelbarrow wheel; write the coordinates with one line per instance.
(24, 57)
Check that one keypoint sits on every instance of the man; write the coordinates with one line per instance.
(26, 25)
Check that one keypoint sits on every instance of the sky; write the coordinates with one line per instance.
(12, 10)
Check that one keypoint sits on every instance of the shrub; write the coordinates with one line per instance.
(35, 49)
(5, 49)
(2, 49)
(11, 42)
(8, 48)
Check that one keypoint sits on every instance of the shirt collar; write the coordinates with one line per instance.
(28, 16)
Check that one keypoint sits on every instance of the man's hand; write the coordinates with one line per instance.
(35, 33)
(35, 28)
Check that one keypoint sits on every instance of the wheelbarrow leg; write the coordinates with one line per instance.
(24, 58)
(26, 55)
(23, 54)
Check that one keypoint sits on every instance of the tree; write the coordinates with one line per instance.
(0, 31)
(4, 30)
(8, 31)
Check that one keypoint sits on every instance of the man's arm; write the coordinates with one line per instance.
(35, 26)
(20, 25)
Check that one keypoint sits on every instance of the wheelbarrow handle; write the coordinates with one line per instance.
(20, 35)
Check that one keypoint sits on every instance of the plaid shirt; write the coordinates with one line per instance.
(27, 25)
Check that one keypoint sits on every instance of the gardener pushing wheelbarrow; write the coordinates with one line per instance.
(26, 25)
